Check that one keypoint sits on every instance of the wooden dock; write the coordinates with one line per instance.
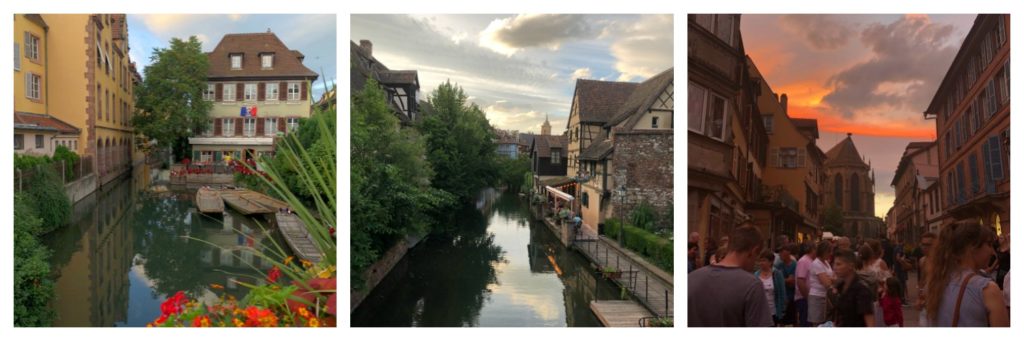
(626, 313)
(295, 233)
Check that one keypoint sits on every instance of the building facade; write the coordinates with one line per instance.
(851, 188)
(918, 170)
(727, 143)
(259, 89)
(971, 109)
(401, 86)
(791, 197)
(74, 87)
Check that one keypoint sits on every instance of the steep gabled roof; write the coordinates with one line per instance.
(641, 100)
(599, 101)
(844, 153)
(542, 144)
(598, 151)
(287, 63)
(808, 125)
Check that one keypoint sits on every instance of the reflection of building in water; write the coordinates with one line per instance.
(92, 285)
(237, 238)
(580, 285)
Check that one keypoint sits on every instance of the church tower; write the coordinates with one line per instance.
(545, 129)
(851, 188)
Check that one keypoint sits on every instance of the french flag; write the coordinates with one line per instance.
(248, 111)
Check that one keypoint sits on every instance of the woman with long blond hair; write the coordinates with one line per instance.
(957, 295)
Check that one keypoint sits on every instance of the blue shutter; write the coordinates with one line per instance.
(989, 182)
(997, 157)
(973, 165)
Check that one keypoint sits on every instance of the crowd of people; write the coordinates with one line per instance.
(963, 275)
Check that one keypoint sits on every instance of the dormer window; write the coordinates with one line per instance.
(236, 62)
(267, 60)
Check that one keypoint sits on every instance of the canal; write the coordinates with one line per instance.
(495, 267)
(132, 244)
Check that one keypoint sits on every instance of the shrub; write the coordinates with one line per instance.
(44, 192)
(33, 288)
(643, 216)
(657, 249)
(69, 157)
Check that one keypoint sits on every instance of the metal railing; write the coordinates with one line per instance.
(652, 292)
(68, 172)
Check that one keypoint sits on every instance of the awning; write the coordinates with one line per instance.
(558, 193)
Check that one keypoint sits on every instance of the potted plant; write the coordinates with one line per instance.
(611, 273)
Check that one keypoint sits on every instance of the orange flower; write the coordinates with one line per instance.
(304, 312)
(216, 286)
(313, 322)
(306, 263)
(289, 260)
(201, 321)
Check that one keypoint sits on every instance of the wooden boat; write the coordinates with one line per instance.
(295, 233)
(209, 201)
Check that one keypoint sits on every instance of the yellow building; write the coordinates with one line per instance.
(91, 71)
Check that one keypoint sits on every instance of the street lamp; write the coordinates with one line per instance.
(621, 192)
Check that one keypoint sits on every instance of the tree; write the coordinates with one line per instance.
(460, 143)
(169, 102)
(390, 179)
(832, 220)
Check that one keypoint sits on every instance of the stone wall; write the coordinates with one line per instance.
(643, 162)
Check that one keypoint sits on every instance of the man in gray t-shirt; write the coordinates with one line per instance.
(727, 294)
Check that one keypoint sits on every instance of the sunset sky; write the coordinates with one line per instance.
(870, 75)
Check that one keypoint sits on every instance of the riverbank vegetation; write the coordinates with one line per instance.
(409, 177)
(33, 287)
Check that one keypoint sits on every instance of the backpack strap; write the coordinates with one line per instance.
(960, 298)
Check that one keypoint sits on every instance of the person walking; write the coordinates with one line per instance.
(787, 266)
(957, 295)
(892, 305)
(853, 296)
(727, 294)
(774, 285)
(803, 270)
(820, 279)
(924, 247)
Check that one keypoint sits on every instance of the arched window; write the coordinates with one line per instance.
(839, 190)
(855, 193)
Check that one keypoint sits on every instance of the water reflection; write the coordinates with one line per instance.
(497, 268)
(127, 249)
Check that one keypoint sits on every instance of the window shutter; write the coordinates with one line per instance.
(259, 126)
(997, 157)
(28, 84)
(17, 56)
(303, 91)
(218, 125)
(261, 91)
(238, 126)
(219, 92)
(282, 91)
(239, 92)
(281, 121)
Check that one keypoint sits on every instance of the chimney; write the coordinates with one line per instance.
(366, 45)
(785, 104)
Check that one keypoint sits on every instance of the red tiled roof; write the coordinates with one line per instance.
(23, 120)
(287, 63)
(600, 100)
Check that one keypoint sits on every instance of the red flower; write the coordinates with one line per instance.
(173, 304)
(274, 274)
(256, 317)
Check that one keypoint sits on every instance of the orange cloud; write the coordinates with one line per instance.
(837, 124)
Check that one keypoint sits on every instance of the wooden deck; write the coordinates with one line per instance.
(295, 233)
(625, 313)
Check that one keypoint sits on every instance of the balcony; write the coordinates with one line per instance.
(780, 196)
(709, 51)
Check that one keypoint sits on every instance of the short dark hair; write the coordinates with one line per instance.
(745, 239)
(767, 255)
(846, 255)
(823, 248)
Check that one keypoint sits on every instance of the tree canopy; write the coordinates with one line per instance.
(169, 102)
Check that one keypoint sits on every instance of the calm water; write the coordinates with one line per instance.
(499, 269)
(127, 249)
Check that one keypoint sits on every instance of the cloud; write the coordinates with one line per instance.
(506, 116)
(510, 35)
(643, 48)
(909, 57)
(819, 31)
(581, 73)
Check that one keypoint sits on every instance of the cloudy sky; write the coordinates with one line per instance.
(870, 75)
(313, 35)
(519, 68)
